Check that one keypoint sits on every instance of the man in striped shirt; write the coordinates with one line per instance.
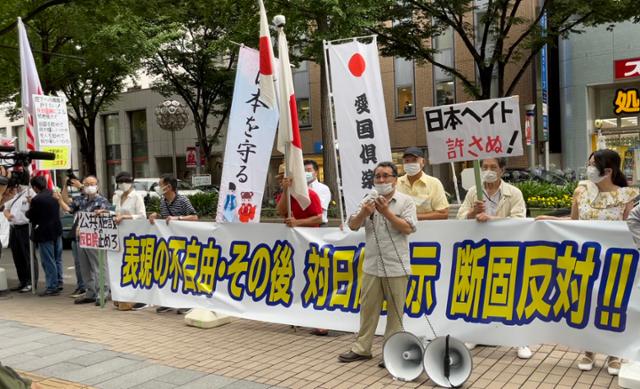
(172, 207)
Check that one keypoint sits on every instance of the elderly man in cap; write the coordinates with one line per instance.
(426, 191)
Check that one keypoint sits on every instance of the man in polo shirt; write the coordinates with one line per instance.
(388, 220)
(426, 191)
(311, 216)
(173, 206)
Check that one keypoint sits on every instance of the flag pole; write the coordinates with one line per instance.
(333, 135)
(286, 169)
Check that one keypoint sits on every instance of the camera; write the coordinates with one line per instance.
(20, 161)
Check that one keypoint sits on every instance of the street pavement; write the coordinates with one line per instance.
(62, 345)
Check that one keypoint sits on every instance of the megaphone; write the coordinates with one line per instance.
(448, 362)
(402, 355)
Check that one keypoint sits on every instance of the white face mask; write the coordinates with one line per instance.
(489, 176)
(412, 168)
(309, 176)
(593, 174)
(161, 190)
(384, 189)
(91, 189)
(124, 186)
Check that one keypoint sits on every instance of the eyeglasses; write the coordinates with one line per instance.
(383, 176)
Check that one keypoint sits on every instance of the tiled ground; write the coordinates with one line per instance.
(243, 353)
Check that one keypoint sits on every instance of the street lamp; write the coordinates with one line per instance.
(172, 116)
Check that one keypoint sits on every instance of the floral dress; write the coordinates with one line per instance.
(596, 205)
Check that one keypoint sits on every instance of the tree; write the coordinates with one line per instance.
(198, 63)
(308, 24)
(87, 52)
(505, 37)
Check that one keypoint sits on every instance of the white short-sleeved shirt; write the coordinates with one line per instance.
(324, 193)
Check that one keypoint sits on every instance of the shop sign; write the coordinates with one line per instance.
(626, 68)
(626, 101)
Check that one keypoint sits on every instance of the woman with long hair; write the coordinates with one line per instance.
(605, 196)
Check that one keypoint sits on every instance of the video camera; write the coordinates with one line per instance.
(20, 161)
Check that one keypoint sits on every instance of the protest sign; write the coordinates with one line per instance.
(98, 231)
(52, 124)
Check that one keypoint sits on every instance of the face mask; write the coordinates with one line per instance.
(91, 190)
(489, 176)
(124, 186)
(309, 176)
(412, 168)
(384, 189)
(593, 174)
(161, 190)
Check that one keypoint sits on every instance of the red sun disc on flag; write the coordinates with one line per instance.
(357, 65)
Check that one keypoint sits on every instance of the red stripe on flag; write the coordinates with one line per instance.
(265, 60)
(293, 109)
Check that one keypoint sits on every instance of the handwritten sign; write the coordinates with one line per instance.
(474, 130)
(98, 232)
(52, 125)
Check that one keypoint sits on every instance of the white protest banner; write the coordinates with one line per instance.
(52, 125)
(474, 130)
(252, 128)
(508, 282)
(98, 231)
(361, 120)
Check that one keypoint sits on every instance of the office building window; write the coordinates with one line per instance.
(139, 143)
(404, 78)
(444, 85)
(303, 94)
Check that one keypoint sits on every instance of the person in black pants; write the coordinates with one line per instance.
(44, 215)
(14, 210)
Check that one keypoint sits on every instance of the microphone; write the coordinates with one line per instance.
(41, 155)
(7, 149)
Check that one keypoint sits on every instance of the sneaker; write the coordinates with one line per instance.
(85, 300)
(49, 292)
(182, 311)
(60, 287)
(139, 306)
(586, 363)
(162, 309)
(613, 365)
(78, 293)
(17, 288)
(25, 289)
(524, 352)
(471, 346)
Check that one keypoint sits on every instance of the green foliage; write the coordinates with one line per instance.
(546, 195)
(504, 33)
(153, 205)
(198, 62)
(205, 204)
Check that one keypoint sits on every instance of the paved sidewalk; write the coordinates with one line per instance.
(106, 348)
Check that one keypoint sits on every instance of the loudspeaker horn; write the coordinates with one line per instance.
(447, 362)
(402, 355)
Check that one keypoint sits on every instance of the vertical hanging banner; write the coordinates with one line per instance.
(361, 119)
(250, 136)
(474, 130)
(52, 127)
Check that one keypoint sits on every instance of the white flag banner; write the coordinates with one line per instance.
(250, 135)
(509, 282)
(474, 130)
(361, 119)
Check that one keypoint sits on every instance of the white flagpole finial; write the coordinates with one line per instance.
(279, 20)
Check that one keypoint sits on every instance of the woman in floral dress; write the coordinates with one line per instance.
(605, 196)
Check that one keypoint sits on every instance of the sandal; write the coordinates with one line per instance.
(613, 365)
(586, 363)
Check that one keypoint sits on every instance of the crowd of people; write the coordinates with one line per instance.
(388, 219)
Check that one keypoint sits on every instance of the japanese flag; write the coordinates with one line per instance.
(289, 142)
(30, 86)
(267, 86)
